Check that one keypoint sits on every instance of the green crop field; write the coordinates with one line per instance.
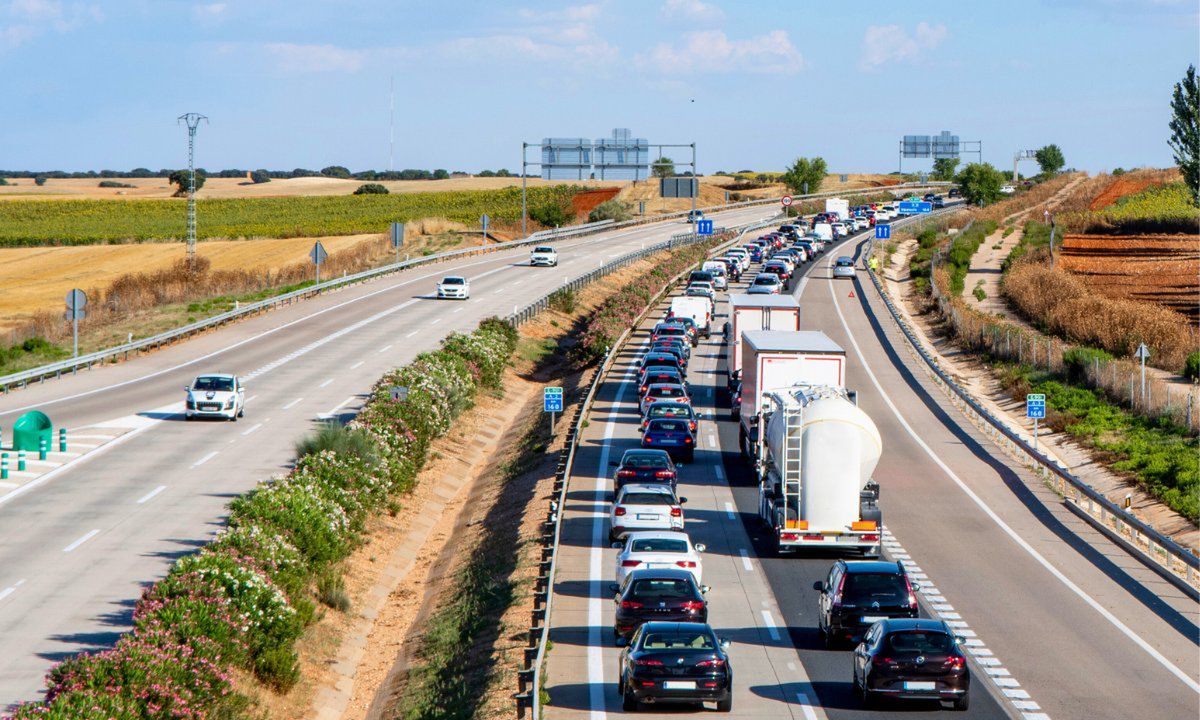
(86, 222)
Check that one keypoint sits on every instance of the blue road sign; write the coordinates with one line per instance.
(1035, 406)
(883, 232)
(552, 399)
(704, 227)
(913, 208)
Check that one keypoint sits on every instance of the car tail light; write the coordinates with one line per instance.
(631, 605)
(879, 661)
(956, 662)
(664, 474)
(837, 596)
(693, 605)
(687, 441)
(619, 511)
(686, 563)
(676, 512)
(912, 597)
(714, 663)
(630, 563)
(626, 473)
(648, 662)
(644, 389)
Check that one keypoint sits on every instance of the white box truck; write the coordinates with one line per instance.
(840, 206)
(696, 307)
(757, 312)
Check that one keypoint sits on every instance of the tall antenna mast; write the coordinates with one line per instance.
(192, 120)
(391, 122)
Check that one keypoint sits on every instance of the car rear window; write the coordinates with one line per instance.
(668, 391)
(659, 545)
(644, 498)
(670, 410)
(875, 587)
(842, 262)
(760, 280)
(655, 588)
(654, 461)
(668, 425)
(675, 640)
(919, 642)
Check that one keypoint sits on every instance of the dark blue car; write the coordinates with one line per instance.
(672, 435)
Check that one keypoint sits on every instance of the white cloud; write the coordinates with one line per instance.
(23, 20)
(693, 10)
(712, 51)
(291, 57)
(884, 44)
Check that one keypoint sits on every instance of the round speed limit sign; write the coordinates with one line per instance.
(787, 200)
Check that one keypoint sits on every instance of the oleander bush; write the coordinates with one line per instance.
(242, 602)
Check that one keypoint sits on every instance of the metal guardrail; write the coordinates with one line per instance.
(529, 678)
(1173, 561)
(119, 352)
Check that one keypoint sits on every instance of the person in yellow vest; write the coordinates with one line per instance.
(874, 263)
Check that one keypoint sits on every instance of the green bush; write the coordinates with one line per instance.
(351, 442)
(563, 300)
(278, 668)
(1077, 361)
(614, 210)
(962, 249)
(39, 181)
(260, 176)
(1191, 368)
(331, 591)
(371, 189)
(554, 212)
(113, 184)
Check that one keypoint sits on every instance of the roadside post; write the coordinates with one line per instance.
(4, 466)
(62, 439)
(484, 220)
(318, 255)
(552, 402)
(1035, 408)
(1143, 354)
(43, 448)
(76, 302)
(397, 238)
(20, 461)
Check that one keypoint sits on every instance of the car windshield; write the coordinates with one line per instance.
(874, 587)
(652, 461)
(543, 250)
(645, 498)
(920, 642)
(660, 588)
(213, 383)
(669, 331)
(676, 640)
(454, 281)
(668, 425)
(659, 545)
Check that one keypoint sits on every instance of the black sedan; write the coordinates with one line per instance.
(645, 466)
(915, 659)
(675, 662)
(657, 594)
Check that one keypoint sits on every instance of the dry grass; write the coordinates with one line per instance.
(1161, 269)
(1066, 306)
(1025, 201)
(1131, 183)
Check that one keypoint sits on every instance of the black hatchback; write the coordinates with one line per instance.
(675, 662)
(657, 595)
(645, 466)
(859, 593)
(912, 659)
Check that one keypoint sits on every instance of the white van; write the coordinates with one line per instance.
(696, 307)
(823, 231)
(720, 277)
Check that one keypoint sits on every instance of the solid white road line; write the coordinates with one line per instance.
(150, 495)
(987, 510)
(769, 623)
(251, 429)
(205, 459)
(292, 404)
(325, 383)
(806, 706)
(81, 541)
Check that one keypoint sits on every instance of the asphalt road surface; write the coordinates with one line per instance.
(1060, 623)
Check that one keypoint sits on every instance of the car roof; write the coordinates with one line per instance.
(634, 452)
(660, 574)
(901, 624)
(660, 488)
(658, 535)
(872, 566)
(847, 258)
(663, 626)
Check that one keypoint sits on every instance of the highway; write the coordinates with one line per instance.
(1059, 622)
(77, 547)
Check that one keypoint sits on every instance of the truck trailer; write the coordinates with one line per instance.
(840, 206)
(757, 312)
(776, 359)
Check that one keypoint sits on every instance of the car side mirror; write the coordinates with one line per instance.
(916, 587)
(725, 643)
(960, 639)
(700, 547)
(683, 501)
(819, 586)
(704, 589)
(617, 545)
(613, 587)
(186, 388)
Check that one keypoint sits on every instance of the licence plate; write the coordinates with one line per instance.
(910, 685)
(645, 516)
(680, 685)
(873, 618)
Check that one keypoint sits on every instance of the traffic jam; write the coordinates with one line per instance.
(812, 451)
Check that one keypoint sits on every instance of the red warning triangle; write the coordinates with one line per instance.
(851, 294)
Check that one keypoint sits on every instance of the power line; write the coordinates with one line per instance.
(192, 120)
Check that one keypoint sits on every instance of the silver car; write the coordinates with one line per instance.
(843, 267)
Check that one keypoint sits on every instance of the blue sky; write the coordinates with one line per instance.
(304, 83)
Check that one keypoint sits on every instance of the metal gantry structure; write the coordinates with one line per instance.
(1018, 157)
(192, 120)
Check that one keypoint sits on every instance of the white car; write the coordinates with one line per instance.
(861, 222)
(741, 255)
(706, 288)
(454, 287)
(844, 267)
(1007, 189)
(217, 395)
(717, 269)
(655, 550)
(765, 284)
(544, 256)
(645, 507)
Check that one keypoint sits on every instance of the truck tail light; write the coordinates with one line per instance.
(813, 537)
(789, 536)
(870, 538)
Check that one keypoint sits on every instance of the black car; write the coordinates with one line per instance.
(929, 197)
(680, 355)
(954, 192)
(658, 375)
(651, 359)
(657, 594)
(700, 276)
(645, 466)
(938, 202)
(916, 659)
(675, 662)
(859, 593)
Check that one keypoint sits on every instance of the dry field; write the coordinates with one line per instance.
(1162, 269)
(1132, 183)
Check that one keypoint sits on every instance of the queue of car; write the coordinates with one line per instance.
(670, 652)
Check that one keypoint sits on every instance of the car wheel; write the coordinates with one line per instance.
(870, 700)
(827, 639)
(233, 417)
(188, 418)
(629, 703)
(963, 702)
(725, 705)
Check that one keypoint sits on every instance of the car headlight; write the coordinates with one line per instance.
(229, 404)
